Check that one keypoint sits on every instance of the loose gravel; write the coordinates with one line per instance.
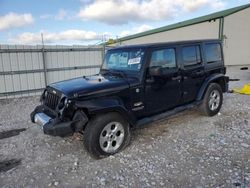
(186, 150)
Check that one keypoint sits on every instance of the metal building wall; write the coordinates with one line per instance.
(237, 38)
(25, 69)
(234, 31)
(205, 30)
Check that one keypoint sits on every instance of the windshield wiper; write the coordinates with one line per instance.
(119, 72)
(114, 72)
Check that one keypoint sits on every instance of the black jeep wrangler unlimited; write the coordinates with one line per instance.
(136, 85)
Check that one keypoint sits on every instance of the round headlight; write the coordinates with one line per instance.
(43, 96)
(45, 93)
(62, 103)
(65, 101)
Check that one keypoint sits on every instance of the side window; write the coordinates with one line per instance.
(164, 58)
(213, 52)
(191, 55)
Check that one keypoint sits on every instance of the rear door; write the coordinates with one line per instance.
(192, 71)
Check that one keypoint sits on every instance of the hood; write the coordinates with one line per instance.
(90, 85)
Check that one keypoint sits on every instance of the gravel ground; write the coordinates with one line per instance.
(186, 150)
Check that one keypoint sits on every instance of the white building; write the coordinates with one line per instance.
(232, 26)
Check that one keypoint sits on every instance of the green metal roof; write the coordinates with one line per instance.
(201, 19)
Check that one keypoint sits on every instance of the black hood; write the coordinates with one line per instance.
(91, 85)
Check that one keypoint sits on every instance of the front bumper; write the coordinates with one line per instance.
(52, 124)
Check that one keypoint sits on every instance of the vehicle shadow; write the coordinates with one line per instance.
(148, 133)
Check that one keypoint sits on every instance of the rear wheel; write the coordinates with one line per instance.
(212, 101)
(106, 134)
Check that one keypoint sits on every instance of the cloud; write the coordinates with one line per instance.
(62, 14)
(14, 20)
(218, 5)
(196, 4)
(135, 30)
(124, 11)
(46, 16)
(64, 36)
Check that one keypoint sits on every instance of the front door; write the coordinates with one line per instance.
(163, 92)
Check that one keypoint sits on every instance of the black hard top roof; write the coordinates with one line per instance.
(149, 45)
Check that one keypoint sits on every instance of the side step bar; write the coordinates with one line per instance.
(166, 114)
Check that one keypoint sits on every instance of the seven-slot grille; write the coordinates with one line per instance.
(51, 100)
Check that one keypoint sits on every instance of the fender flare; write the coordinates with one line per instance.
(105, 105)
(207, 81)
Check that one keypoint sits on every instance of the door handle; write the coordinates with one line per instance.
(150, 81)
(176, 78)
(198, 73)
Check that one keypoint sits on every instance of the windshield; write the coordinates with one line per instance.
(124, 60)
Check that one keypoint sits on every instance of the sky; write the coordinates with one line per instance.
(89, 22)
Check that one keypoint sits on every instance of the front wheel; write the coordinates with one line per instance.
(106, 134)
(212, 101)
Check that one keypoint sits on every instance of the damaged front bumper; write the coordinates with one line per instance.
(55, 126)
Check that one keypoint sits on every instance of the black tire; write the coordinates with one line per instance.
(97, 126)
(206, 108)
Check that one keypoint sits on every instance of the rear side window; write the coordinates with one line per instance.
(164, 58)
(213, 53)
(191, 55)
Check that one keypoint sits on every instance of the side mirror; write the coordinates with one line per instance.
(155, 71)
